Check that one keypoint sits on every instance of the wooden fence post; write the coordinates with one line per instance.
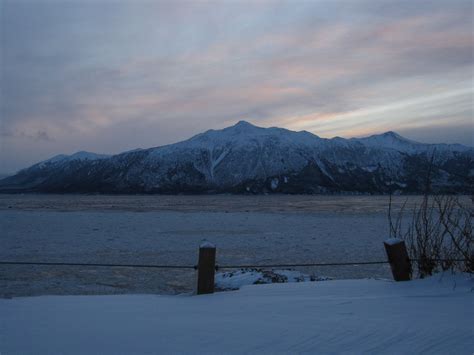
(206, 268)
(398, 258)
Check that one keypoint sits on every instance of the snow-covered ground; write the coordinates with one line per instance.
(431, 316)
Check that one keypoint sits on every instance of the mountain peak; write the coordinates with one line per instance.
(243, 123)
(243, 127)
(392, 134)
(392, 140)
(389, 135)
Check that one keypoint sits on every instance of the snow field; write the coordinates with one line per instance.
(432, 316)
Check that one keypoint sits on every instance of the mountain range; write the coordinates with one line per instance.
(247, 159)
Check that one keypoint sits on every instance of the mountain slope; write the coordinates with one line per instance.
(245, 158)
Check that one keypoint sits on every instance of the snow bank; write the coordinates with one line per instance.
(354, 316)
(233, 280)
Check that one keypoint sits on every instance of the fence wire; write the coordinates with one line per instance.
(97, 265)
(247, 266)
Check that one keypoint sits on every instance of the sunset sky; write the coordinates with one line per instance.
(110, 76)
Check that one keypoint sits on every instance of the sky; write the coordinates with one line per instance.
(109, 76)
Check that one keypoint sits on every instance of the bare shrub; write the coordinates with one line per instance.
(438, 235)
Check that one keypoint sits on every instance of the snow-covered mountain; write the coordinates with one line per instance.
(245, 158)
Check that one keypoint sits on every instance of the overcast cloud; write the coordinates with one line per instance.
(109, 76)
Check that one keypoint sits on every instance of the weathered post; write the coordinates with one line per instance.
(206, 268)
(398, 258)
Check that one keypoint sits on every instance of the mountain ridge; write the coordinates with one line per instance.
(244, 158)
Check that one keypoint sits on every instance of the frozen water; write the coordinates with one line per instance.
(248, 230)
